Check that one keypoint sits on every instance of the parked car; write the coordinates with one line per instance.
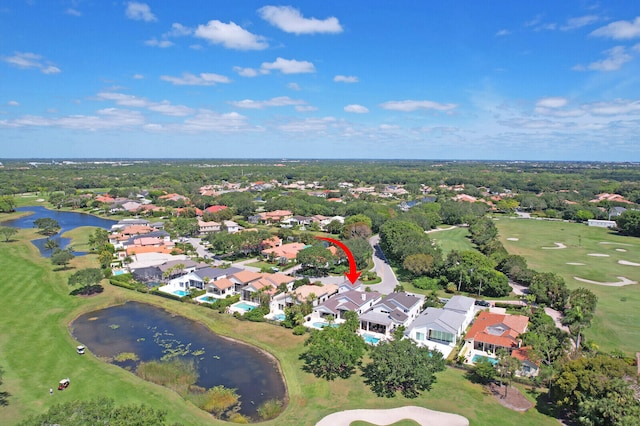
(63, 384)
(80, 349)
(483, 303)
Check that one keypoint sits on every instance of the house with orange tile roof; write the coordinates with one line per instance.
(528, 368)
(215, 209)
(285, 252)
(274, 216)
(491, 331)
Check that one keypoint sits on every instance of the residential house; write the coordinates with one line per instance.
(268, 284)
(438, 329)
(220, 288)
(200, 278)
(313, 293)
(208, 227)
(284, 253)
(395, 310)
(528, 368)
(491, 332)
(231, 226)
(354, 301)
(275, 216)
(463, 305)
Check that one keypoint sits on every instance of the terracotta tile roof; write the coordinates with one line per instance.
(245, 276)
(498, 329)
(222, 283)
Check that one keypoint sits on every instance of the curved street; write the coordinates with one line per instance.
(382, 268)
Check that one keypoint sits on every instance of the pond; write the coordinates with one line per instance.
(67, 220)
(153, 334)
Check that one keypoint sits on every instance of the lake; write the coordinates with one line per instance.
(153, 333)
(67, 221)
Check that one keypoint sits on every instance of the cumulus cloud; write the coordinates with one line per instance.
(290, 20)
(289, 66)
(616, 107)
(294, 86)
(358, 109)
(503, 33)
(552, 102)
(163, 44)
(410, 105)
(13, 103)
(28, 60)
(164, 107)
(231, 36)
(138, 76)
(73, 12)
(619, 30)
(305, 108)
(202, 79)
(105, 119)
(246, 72)
(308, 125)
(345, 79)
(579, 22)
(139, 12)
(616, 58)
(273, 102)
(178, 30)
(207, 120)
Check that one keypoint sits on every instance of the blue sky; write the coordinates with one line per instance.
(543, 80)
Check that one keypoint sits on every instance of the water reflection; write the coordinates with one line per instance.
(152, 334)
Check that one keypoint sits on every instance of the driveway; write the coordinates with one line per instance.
(382, 268)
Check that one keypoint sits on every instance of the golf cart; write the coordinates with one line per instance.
(63, 384)
(80, 349)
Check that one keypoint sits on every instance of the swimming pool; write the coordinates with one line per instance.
(180, 293)
(372, 340)
(244, 306)
(279, 317)
(119, 272)
(323, 324)
(477, 358)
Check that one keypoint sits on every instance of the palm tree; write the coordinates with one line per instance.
(577, 320)
(51, 244)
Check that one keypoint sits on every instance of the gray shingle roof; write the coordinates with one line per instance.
(460, 303)
(439, 319)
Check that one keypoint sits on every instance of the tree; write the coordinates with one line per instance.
(334, 227)
(51, 244)
(334, 351)
(47, 226)
(419, 264)
(98, 239)
(86, 277)
(361, 251)
(80, 413)
(8, 232)
(7, 204)
(402, 366)
(549, 289)
(483, 371)
(577, 319)
(62, 257)
(315, 258)
(629, 223)
(506, 368)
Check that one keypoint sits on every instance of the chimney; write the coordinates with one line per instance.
(364, 297)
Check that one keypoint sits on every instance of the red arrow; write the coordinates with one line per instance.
(352, 275)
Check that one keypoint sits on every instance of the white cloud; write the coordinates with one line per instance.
(207, 120)
(308, 125)
(294, 86)
(13, 103)
(345, 79)
(552, 102)
(139, 12)
(410, 105)
(619, 30)
(138, 76)
(289, 66)
(524, 123)
(105, 119)
(202, 79)
(358, 109)
(290, 20)
(616, 58)
(179, 30)
(273, 102)
(159, 43)
(28, 60)
(388, 127)
(636, 47)
(579, 22)
(164, 107)
(503, 33)
(305, 108)
(73, 12)
(246, 72)
(616, 107)
(230, 35)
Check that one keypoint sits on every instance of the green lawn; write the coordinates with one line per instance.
(452, 239)
(37, 350)
(617, 321)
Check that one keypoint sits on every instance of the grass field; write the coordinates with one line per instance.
(37, 350)
(617, 321)
(452, 239)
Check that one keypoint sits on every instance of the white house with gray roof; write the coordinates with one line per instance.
(337, 305)
(395, 310)
(463, 305)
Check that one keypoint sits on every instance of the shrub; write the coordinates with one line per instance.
(270, 409)
(299, 330)
(87, 290)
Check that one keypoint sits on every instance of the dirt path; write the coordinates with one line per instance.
(422, 416)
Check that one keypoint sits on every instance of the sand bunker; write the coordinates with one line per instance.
(575, 263)
(422, 416)
(597, 254)
(623, 281)
(618, 244)
(626, 262)
(513, 239)
(557, 247)
(621, 250)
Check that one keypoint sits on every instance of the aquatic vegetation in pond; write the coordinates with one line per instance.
(114, 326)
(126, 356)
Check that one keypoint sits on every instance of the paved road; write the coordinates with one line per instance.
(382, 268)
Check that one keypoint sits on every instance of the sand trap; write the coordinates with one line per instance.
(618, 244)
(626, 262)
(597, 254)
(422, 416)
(621, 250)
(575, 263)
(513, 239)
(557, 247)
(623, 281)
